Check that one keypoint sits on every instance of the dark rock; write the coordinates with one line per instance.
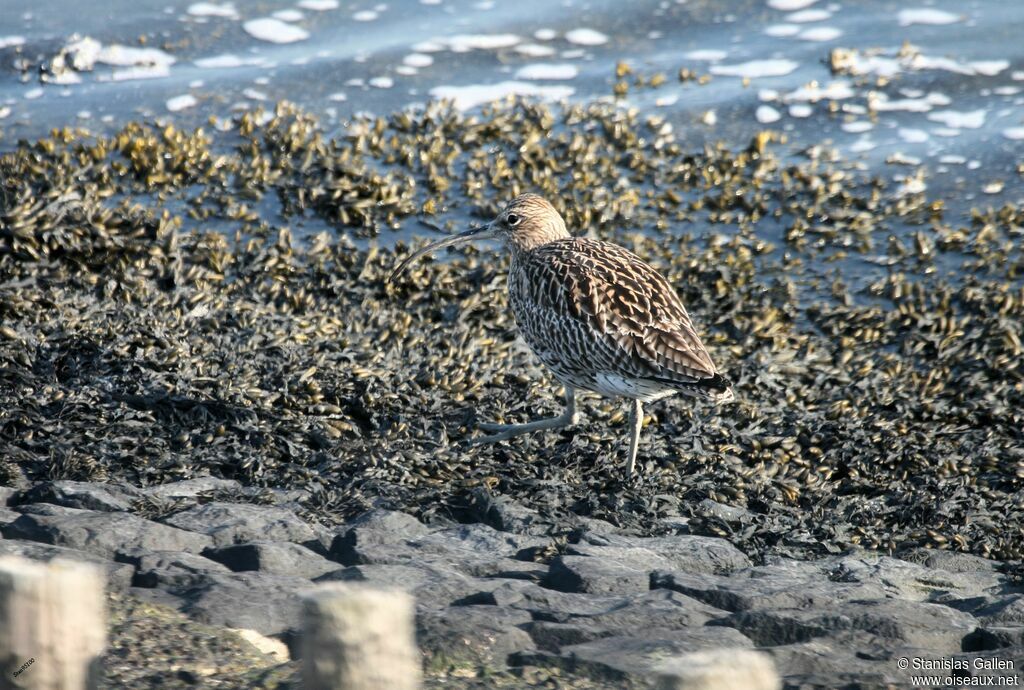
(636, 660)
(169, 569)
(119, 575)
(103, 534)
(682, 552)
(994, 637)
(906, 580)
(504, 514)
(930, 626)
(268, 604)
(950, 561)
(433, 587)
(771, 589)
(831, 664)
(471, 636)
(374, 528)
(594, 575)
(8, 516)
(83, 495)
(239, 523)
(274, 558)
(191, 488)
(1002, 611)
(543, 603)
(475, 550)
(551, 637)
(656, 609)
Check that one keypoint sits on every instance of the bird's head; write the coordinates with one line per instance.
(526, 222)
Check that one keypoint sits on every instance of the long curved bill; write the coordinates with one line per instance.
(481, 232)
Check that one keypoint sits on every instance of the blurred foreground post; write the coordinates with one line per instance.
(356, 638)
(53, 627)
(720, 669)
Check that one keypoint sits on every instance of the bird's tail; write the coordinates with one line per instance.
(717, 389)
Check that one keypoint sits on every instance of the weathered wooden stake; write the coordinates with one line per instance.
(356, 638)
(53, 627)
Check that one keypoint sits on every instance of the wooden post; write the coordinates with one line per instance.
(53, 627)
(356, 638)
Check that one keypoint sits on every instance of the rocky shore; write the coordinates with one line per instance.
(205, 591)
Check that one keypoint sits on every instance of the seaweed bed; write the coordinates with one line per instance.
(158, 322)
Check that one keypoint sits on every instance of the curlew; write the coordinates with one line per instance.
(599, 317)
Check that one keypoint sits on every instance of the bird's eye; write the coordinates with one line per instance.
(512, 220)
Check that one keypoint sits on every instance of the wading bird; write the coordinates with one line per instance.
(600, 318)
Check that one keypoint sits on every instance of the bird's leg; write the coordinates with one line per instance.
(636, 421)
(507, 431)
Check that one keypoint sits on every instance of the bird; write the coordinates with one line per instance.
(596, 315)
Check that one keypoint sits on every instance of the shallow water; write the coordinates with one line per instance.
(951, 107)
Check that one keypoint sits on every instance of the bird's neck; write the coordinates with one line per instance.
(526, 240)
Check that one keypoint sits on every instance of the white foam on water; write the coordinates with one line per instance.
(926, 15)
(947, 132)
(950, 159)
(863, 144)
(936, 98)
(767, 95)
(913, 136)
(1017, 75)
(535, 50)
(1006, 90)
(900, 158)
(820, 34)
(226, 61)
(318, 5)
(766, 114)
(33, 94)
(381, 82)
(430, 2)
(545, 34)
(800, 110)
(805, 16)
(989, 68)
(11, 41)
(338, 96)
(274, 30)
(547, 72)
(666, 101)
(994, 187)
(782, 30)
(428, 47)
(857, 126)
(973, 165)
(790, 5)
(254, 94)
(289, 15)
(463, 43)
(181, 102)
(83, 114)
(757, 68)
(955, 119)
(881, 103)
(586, 37)
(706, 55)
(836, 90)
(418, 60)
(365, 15)
(5, 111)
(133, 73)
(1015, 133)
(574, 54)
(467, 97)
(210, 9)
(196, 84)
(910, 185)
(710, 118)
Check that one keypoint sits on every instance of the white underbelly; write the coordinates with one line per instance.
(614, 385)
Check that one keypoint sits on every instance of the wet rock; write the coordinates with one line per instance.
(101, 533)
(238, 523)
(273, 558)
(169, 569)
(471, 636)
(83, 495)
(592, 575)
(504, 514)
(930, 626)
(119, 575)
(268, 604)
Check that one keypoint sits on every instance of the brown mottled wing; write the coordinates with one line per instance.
(627, 306)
